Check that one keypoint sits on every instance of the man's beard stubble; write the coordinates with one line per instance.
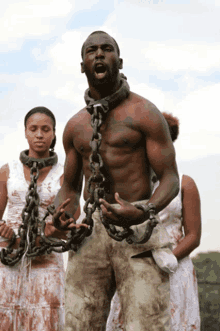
(108, 82)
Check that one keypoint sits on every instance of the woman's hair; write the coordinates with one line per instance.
(46, 111)
(173, 124)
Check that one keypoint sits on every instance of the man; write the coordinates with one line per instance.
(135, 138)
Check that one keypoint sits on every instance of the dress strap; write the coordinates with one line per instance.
(15, 169)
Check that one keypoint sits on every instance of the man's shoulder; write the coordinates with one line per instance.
(141, 105)
(79, 117)
(138, 101)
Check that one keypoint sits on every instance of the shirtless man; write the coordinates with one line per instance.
(135, 138)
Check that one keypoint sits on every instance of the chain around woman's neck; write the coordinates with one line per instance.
(42, 163)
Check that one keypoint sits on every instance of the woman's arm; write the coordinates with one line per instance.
(4, 173)
(191, 213)
(5, 230)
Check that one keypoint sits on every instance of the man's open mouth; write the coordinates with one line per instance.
(100, 69)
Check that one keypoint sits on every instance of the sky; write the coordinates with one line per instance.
(171, 56)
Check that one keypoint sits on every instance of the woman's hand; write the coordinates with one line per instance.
(6, 231)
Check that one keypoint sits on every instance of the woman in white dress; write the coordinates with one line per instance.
(32, 291)
(182, 219)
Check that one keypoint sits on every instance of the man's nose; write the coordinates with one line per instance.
(99, 53)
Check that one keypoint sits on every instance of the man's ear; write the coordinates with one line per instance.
(82, 67)
(120, 63)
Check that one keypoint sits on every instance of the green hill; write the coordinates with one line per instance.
(207, 266)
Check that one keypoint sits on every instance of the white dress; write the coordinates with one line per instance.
(32, 291)
(184, 302)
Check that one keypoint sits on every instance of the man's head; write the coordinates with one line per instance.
(100, 32)
(101, 62)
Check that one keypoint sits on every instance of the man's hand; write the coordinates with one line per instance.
(61, 222)
(125, 216)
(6, 231)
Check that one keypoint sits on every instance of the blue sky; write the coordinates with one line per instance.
(170, 49)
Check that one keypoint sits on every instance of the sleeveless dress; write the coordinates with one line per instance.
(184, 301)
(32, 291)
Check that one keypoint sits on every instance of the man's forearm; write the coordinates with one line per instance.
(67, 193)
(165, 192)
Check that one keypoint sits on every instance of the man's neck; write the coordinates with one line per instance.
(104, 90)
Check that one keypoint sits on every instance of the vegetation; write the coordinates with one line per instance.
(207, 266)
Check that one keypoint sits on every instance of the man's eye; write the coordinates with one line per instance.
(90, 50)
(108, 49)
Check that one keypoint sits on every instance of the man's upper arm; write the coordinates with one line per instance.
(159, 146)
(73, 161)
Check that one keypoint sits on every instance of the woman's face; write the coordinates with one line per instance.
(39, 133)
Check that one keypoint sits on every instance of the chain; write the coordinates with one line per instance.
(96, 185)
(32, 227)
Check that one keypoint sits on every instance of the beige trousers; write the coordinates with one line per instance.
(99, 267)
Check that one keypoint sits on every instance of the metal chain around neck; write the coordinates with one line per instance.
(32, 227)
(96, 185)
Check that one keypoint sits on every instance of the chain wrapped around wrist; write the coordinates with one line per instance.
(146, 210)
(149, 216)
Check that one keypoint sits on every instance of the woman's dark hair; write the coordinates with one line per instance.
(173, 124)
(46, 111)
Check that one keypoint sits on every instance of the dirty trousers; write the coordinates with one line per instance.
(99, 267)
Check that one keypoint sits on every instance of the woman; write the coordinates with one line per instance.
(182, 219)
(32, 291)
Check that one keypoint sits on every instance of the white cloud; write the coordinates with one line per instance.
(199, 123)
(187, 57)
(30, 19)
(155, 95)
(65, 55)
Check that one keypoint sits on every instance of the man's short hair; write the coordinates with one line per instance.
(99, 32)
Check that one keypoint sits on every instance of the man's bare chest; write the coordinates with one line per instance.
(118, 135)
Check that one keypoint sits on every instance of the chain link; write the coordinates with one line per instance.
(97, 188)
(31, 226)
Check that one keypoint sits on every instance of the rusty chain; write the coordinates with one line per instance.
(96, 186)
(32, 227)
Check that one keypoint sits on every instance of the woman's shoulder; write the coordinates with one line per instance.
(4, 173)
(188, 183)
(189, 189)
